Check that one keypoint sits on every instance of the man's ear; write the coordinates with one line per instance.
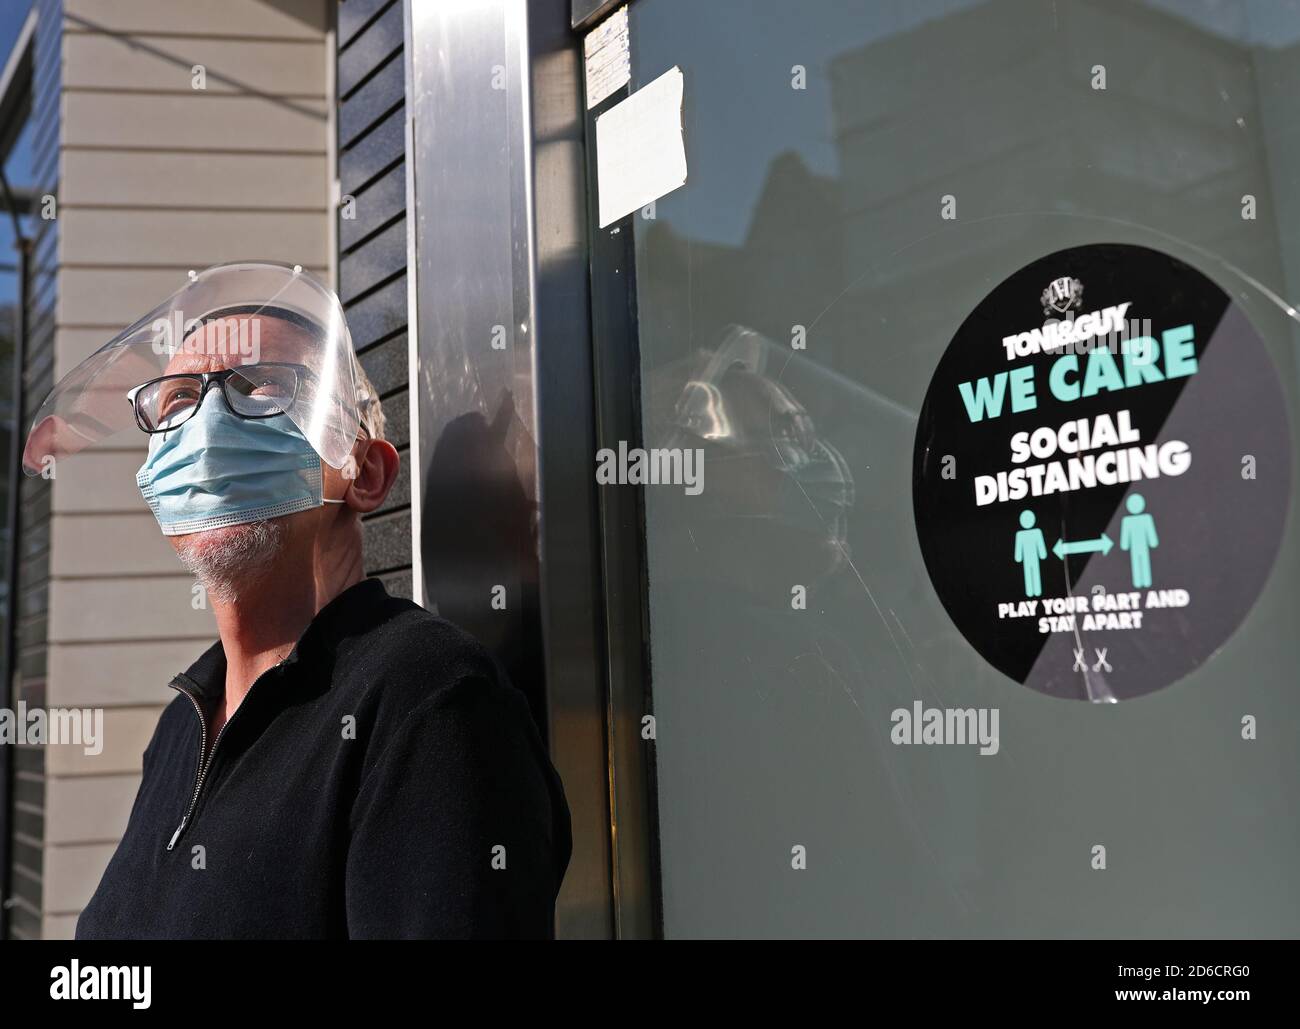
(376, 464)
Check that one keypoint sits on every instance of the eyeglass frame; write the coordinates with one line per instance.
(209, 379)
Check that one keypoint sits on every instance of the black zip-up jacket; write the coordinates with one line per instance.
(384, 780)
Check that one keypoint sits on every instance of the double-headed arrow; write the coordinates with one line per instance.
(1102, 543)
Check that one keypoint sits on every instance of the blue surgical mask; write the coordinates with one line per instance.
(220, 469)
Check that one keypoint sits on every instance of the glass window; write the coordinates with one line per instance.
(861, 177)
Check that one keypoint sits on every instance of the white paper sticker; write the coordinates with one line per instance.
(609, 65)
(640, 153)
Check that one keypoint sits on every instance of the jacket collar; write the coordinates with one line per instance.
(353, 611)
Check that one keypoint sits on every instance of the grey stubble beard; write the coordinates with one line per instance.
(230, 560)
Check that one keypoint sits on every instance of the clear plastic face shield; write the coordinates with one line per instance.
(268, 337)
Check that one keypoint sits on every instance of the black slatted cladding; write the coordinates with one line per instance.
(372, 246)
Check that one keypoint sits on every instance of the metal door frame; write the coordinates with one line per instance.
(495, 99)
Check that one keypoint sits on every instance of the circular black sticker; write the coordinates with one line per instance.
(1102, 472)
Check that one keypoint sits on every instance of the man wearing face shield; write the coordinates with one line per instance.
(341, 763)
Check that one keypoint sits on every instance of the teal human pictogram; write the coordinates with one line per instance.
(1030, 549)
(1137, 535)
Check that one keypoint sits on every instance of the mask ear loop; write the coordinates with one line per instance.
(341, 500)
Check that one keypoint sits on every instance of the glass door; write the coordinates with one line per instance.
(897, 689)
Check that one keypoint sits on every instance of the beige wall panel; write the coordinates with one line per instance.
(148, 608)
(165, 63)
(59, 927)
(196, 238)
(103, 478)
(197, 121)
(243, 181)
(88, 808)
(120, 674)
(264, 19)
(109, 299)
(117, 297)
(71, 874)
(129, 544)
(103, 481)
(76, 344)
(126, 733)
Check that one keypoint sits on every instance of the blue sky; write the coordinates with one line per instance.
(18, 167)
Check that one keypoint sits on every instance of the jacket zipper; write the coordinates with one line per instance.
(201, 773)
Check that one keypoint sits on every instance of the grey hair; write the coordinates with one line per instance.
(369, 410)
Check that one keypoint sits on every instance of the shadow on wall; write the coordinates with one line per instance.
(478, 534)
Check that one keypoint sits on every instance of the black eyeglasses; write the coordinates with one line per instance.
(261, 390)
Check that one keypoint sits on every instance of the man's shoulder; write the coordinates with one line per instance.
(410, 637)
(411, 657)
(177, 716)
